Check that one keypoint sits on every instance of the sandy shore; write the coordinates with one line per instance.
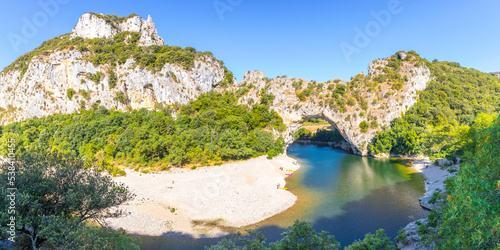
(435, 177)
(204, 201)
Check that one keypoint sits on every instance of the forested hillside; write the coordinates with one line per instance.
(208, 130)
(438, 123)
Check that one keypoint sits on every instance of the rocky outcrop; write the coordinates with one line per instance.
(65, 81)
(382, 103)
(43, 90)
(412, 240)
(497, 74)
(92, 25)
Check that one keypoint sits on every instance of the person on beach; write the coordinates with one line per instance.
(278, 187)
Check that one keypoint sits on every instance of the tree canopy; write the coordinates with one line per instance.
(207, 130)
(55, 196)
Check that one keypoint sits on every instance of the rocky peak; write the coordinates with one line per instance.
(92, 25)
(254, 76)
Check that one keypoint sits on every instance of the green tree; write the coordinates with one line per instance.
(301, 235)
(55, 192)
(373, 241)
(411, 142)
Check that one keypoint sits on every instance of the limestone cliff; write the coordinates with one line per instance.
(55, 80)
(375, 99)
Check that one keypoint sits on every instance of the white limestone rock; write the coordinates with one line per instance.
(92, 25)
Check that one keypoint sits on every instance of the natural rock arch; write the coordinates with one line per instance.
(365, 101)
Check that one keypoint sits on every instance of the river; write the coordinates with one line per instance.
(344, 194)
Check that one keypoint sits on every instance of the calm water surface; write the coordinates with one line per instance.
(346, 195)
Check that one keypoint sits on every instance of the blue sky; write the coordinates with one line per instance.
(294, 38)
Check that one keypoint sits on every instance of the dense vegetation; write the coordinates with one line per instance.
(469, 217)
(208, 130)
(321, 135)
(301, 235)
(55, 199)
(437, 123)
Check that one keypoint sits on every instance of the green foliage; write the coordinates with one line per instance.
(70, 93)
(121, 97)
(59, 43)
(321, 135)
(84, 94)
(402, 237)
(228, 78)
(324, 135)
(363, 126)
(96, 77)
(112, 79)
(210, 129)
(55, 195)
(114, 51)
(300, 235)
(373, 241)
(303, 134)
(470, 217)
(435, 196)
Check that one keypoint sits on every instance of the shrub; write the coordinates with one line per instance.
(121, 98)
(364, 126)
(112, 79)
(70, 93)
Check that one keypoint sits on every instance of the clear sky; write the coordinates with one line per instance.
(315, 39)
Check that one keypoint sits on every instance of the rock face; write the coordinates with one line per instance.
(92, 25)
(497, 74)
(62, 82)
(383, 104)
(412, 240)
(44, 87)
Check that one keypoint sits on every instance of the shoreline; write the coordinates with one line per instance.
(435, 177)
(206, 201)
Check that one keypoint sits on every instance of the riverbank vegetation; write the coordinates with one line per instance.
(208, 130)
(301, 235)
(469, 217)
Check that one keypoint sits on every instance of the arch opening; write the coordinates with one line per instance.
(320, 130)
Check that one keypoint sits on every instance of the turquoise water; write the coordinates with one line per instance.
(346, 195)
